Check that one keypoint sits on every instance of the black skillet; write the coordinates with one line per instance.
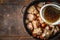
(25, 14)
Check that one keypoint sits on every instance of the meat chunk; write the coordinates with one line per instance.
(34, 22)
(32, 10)
(41, 4)
(56, 29)
(30, 17)
(29, 26)
(37, 31)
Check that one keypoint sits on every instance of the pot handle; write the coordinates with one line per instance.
(23, 9)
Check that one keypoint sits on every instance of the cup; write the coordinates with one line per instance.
(42, 13)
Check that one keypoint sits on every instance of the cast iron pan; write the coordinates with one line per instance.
(25, 14)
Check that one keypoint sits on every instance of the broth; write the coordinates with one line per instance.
(51, 14)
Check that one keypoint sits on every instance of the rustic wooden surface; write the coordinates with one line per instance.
(11, 20)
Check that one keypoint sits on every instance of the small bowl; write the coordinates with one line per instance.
(42, 17)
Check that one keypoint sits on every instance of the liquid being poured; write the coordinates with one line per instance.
(51, 14)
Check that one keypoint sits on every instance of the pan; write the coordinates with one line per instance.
(54, 37)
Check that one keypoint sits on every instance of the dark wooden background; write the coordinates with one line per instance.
(11, 20)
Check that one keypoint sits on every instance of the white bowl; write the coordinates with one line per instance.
(42, 10)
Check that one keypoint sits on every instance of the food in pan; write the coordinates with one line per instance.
(36, 25)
